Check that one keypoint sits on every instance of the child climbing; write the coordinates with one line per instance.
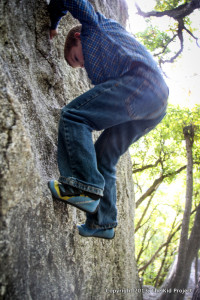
(129, 98)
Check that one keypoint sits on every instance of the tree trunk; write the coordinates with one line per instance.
(196, 268)
(196, 294)
(179, 279)
(182, 252)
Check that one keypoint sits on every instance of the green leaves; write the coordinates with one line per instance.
(159, 173)
(162, 5)
(154, 39)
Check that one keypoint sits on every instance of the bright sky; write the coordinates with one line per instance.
(184, 75)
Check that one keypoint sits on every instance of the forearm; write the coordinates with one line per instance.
(80, 9)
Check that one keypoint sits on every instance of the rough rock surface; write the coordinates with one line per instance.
(42, 255)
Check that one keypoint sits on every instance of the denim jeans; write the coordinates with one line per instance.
(126, 108)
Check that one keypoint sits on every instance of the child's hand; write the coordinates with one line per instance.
(52, 33)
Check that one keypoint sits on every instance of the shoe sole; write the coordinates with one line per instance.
(96, 236)
(80, 229)
(67, 201)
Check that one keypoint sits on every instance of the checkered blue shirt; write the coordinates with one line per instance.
(109, 50)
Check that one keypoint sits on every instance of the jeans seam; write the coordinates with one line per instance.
(103, 146)
(131, 98)
(68, 146)
(94, 96)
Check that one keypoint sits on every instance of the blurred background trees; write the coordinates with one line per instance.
(166, 162)
(164, 190)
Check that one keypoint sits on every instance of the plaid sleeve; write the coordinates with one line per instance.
(80, 9)
(57, 9)
(83, 11)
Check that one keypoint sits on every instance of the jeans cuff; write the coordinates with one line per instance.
(80, 185)
(93, 225)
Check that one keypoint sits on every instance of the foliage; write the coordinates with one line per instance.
(160, 157)
(161, 40)
(154, 39)
(162, 5)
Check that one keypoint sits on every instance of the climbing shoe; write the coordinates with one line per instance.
(74, 197)
(99, 233)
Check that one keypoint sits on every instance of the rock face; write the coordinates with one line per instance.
(42, 255)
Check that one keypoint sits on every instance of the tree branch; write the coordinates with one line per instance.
(195, 236)
(155, 184)
(180, 36)
(147, 166)
(177, 13)
(165, 255)
(149, 216)
(192, 35)
(169, 238)
(142, 246)
(138, 226)
(165, 47)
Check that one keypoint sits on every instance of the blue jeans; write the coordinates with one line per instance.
(126, 108)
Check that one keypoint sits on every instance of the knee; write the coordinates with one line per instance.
(67, 112)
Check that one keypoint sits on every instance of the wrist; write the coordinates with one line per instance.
(54, 24)
(53, 33)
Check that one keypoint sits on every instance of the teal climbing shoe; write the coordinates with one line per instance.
(99, 233)
(78, 199)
